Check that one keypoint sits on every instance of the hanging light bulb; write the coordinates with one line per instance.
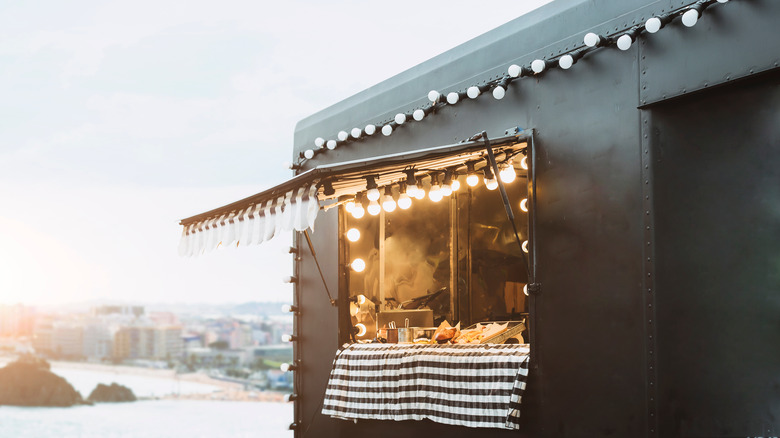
(419, 194)
(453, 98)
(400, 118)
(418, 114)
(374, 208)
(343, 135)
(524, 163)
(331, 144)
(690, 17)
(388, 203)
(387, 130)
(525, 246)
(372, 192)
(446, 185)
(516, 71)
(404, 201)
(455, 184)
(472, 179)
(507, 173)
(538, 66)
(593, 40)
(353, 234)
(369, 129)
(435, 193)
(524, 205)
(356, 133)
(354, 309)
(490, 180)
(308, 154)
(500, 91)
(319, 142)
(433, 96)
(654, 24)
(358, 211)
(473, 92)
(349, 205)
(358, 265)
(411, 183)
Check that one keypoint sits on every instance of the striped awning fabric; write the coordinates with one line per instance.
(252, 223)
(465, 385)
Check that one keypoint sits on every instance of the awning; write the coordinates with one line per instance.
(294, 204)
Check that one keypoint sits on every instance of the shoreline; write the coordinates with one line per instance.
(224, 391)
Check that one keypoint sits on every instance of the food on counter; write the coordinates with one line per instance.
(481, 333)
(445, 333)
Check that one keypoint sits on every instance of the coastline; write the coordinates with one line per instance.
(224, 391)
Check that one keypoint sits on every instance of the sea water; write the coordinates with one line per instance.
(147, 418)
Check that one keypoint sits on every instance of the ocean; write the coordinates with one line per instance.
(147, 418)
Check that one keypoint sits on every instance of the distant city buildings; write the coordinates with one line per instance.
(127, 334)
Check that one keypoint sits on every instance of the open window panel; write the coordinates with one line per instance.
(448, 246)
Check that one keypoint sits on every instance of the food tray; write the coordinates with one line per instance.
(513, 328)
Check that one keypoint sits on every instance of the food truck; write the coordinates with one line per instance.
(596, 180)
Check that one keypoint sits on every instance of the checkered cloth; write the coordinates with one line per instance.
(469, 385)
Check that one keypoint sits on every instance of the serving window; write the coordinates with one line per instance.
(454, 252)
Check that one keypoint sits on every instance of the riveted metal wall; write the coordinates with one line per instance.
(316, 326)
(717, 215)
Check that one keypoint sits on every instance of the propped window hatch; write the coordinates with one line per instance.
(295, 203)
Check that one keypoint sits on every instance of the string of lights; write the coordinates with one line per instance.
(623, 40)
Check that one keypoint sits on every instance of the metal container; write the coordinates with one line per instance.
(406, 335)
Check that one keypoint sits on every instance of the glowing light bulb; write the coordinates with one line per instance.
(473, 92)
(361, 299)
(400, 118)
(515, 70)
(374, 208)
(418, 114)
(624, 42)
(358, 265)
(404, 201)
(455, 185)
(525, 246)
(491, 184)
(388, 203)
(507, 174)
(361, 329)
(472, 180)
(342, 135)
(331, 144)
(453, 98)
(387, 130)
(525, 290)
(319, 142)
(419, 194)
(538, 66)
(353, 234)
(369, 129)
(349, 205)
(566, 62)
(372, 194)
(524, 205)
(653, 24)
(353, 309)
(412, 190)
(499, 92)
(433, 95)
(524, 163)
(358, 212)
(690, 17)
(356, 133)
(435, 193)
(308, 154)
(591, 39)
(446, 190)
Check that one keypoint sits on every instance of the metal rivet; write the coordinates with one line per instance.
(645, 135)
(647, 212)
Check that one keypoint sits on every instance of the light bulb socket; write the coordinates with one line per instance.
(327, 188)
(518, 71)
(290, 398)
(292, 250)
(292, 426)
(290, 308)
(285, 367)
(410, 178)
(290, 279)
(595, 40)
(539, 66)
(371, 182)
(289, 338)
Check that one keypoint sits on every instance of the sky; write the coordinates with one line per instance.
(118, 119)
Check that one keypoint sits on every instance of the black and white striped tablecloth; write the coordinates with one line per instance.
(466, 385)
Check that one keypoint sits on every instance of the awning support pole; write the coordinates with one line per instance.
(314, 254)
(505, 199)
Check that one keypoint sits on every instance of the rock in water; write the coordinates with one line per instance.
(111, 394)
(28, 382)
